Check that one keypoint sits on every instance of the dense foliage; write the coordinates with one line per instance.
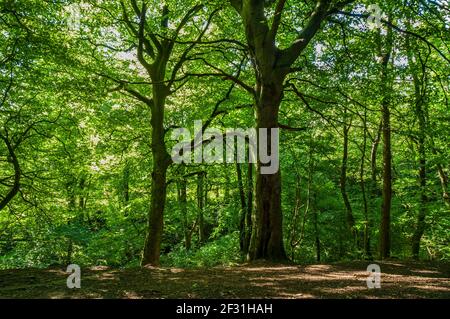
(80, 87)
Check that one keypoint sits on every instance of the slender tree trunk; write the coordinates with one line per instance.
(420, 225)
(444, 184)
(125, 196)
(343, 183)
(362, 182)
(385, 232)
(200, 203)
(69, 252)
(248, 217)
(375, 191)
(243, 209)
(295, 216)
(316, 230)
(81, 186)
(126, 183)
(182, 199)
(227, 186)
(385, 228)
(443, 178)
(419, 91)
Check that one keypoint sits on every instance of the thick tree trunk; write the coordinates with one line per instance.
(156, 216)
(161, 161)
(271, 65)
(160, 52)
(267, 236)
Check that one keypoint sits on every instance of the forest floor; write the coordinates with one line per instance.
(260, 280)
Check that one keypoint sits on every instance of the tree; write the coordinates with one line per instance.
(271, 66)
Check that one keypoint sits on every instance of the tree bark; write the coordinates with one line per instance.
(444, 184)
(243, 209)
(367, 249)
(316, 230)
(385, 228)
(161, 161)
(126, 183)
(419, 91)
(200, 203)
(267, 236)
(248, 217)
(271, 65)
(343, 182)
(182, 199)
(375, 191)
(443, 178)
(159, 50)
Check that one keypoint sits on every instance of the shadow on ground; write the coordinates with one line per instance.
(261, 280)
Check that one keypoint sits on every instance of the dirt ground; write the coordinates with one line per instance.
(261, 280)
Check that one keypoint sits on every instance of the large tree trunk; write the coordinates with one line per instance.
(161, 161)
(267, 236)
(271, 65)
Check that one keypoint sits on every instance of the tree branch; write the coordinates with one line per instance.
(289, 55)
